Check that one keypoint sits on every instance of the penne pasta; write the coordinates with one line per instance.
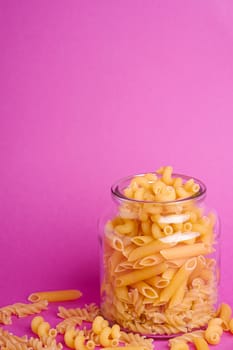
(158, 282)
(141, 240)
(151, 248)
(145, 289)
(123, 266)
(169, 273)
(185, 251)
(55, 295)
(178, 296)
(151, 260)
(139, 275)
(175, 263)
(122, 293)
(179, 278)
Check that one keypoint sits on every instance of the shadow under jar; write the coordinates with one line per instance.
(160, 258)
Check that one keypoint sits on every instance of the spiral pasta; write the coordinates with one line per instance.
(135, 339)
(11, 341)
(23, 310)
(69, 323)
(88, 313)
(44, 342)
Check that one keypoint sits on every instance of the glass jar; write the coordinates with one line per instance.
(160, 256)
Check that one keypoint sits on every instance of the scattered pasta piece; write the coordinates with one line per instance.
(181, 345)
(8, 339)
(55, 295)
(36, 321)
(134, 339)
(214, 331)
(201, 344)
(187, 337)
(225, 313)
(21, 310)
(231, 325)
(87, 313)
(69, 337)
(69, 322)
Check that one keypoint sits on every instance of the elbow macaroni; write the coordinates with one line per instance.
(42, 328)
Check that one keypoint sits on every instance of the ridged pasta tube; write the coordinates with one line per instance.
(55, 295)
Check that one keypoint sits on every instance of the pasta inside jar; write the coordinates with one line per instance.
(160, 266)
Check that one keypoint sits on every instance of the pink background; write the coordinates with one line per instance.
(91, 91)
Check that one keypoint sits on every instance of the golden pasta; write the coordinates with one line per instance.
(185, 251)
(225, 312)
(145, 289)
(99, 323)
(201, 344)
(179, 346)
(105, 339)
(87, 313)
(151, 248)
(164, 259)
(128, 348)
(23, 309)
(231, 325)
(109, 337)
(213, 335)
(79, 342)
(69, 322)
(36, 321)
(54, 296)
(69, 337)
(179, 278)
(138, 275)
(42, 328)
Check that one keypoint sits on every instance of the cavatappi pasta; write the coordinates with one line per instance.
(159, 256)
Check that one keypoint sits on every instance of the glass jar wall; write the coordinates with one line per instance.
(160, 257)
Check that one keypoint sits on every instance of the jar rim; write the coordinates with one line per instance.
(118, 194)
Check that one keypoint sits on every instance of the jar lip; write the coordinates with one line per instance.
(118, 194)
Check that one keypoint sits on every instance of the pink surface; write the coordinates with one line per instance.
(91, 91)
